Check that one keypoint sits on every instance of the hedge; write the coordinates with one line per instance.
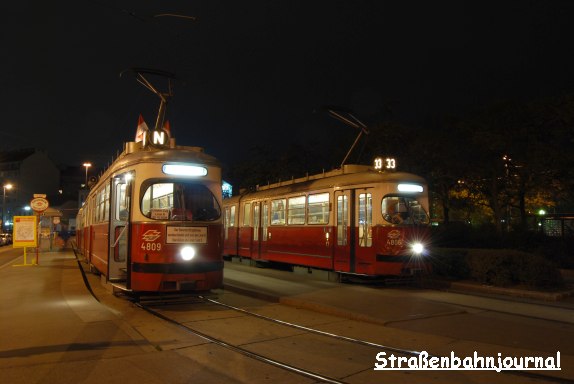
(498, 267)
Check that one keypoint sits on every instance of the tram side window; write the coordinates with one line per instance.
(232, 216)
(226, 222)
(318, 206)
(296, 210)
(278, 212)
(102, 204)
(247, 214)
(107, 202)
(97, 207)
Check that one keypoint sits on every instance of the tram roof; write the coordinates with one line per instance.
(135, 153)
(347, 176)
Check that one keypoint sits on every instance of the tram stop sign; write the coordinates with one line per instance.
(39, 204)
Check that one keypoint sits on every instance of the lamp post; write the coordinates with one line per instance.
(4, 188)
(87, 165)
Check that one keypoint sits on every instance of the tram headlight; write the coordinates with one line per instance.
(187, 253)
(417, 248)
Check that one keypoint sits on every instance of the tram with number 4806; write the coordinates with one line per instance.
(152, 221)
(359, 219)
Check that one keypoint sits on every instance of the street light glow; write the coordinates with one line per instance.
(4, 188)
(87, 165)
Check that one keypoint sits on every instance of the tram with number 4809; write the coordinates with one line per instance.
(359, 219)
(152, 221)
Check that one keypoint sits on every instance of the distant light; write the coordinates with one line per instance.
(184, 170)
(27, 208)
(410, 188)
(542, 212)
(226, 189)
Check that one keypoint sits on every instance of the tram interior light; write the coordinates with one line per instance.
(187, 253)
(184, 170)
(410, 188)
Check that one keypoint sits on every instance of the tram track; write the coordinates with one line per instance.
(243, 351)
(305, 372)
(266, 349)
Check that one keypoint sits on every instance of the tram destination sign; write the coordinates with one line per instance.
(385, 163)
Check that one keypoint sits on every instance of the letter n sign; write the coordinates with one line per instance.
(158, 138)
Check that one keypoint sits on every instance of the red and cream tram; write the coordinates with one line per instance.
(152, 222)
(355, 220)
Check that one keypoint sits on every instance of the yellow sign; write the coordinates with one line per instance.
(25, 231)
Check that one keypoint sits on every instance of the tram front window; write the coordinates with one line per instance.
(403, 210)
(179, 201)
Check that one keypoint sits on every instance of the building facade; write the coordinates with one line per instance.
(29, 171)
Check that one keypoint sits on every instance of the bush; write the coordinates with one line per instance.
(498, 267)
(450, 263)
(558, 250)
(492, 267)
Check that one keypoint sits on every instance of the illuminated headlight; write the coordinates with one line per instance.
(187, 253)
(417, 248)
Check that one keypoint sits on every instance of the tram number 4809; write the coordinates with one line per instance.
(149, 246)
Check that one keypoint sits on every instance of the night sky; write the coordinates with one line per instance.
(250, 71)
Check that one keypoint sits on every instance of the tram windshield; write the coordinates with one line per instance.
(179, 201)
(403, 210)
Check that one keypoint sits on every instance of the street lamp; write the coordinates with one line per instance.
(4, 188)
(87, 165)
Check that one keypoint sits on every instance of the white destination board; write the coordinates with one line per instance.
(189, 235)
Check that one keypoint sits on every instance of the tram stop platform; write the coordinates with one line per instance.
(53, 330)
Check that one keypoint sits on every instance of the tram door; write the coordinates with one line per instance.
(364, 258)
(119, 227)
(344, 246)
(256, 250)
(264, 228)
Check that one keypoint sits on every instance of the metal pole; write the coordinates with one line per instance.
(87, 165)
(3, 205)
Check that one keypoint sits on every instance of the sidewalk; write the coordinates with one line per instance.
(54, 331)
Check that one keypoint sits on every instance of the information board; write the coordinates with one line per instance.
(25, 231)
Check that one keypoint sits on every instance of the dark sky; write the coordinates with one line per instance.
(251, 70)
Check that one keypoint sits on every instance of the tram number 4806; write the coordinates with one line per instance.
(149, 246)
